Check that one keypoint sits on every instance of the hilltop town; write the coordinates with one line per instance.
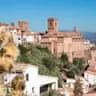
(66, 57)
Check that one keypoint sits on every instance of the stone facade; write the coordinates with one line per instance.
(24, 26)
(71, 43)
(92, 61)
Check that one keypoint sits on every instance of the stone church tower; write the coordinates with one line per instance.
(75, 29)
(23, 25)
(71, 43)
(52, 25)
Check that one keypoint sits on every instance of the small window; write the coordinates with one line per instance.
(64, 80)
(27, 77)
(18, 71)
(33, 90)
(50, 23)
(5, 78)
(18, 38)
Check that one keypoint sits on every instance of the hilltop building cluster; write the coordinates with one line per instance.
(72, 43)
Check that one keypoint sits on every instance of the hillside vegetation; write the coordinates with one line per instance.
(48, 63)
(40, 56)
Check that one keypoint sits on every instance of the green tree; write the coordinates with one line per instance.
(64, 58)
(76, 68)
(52, 64)
(80, 64)
(64, 63)
(38, 55)
(49, 62)
(73, 70)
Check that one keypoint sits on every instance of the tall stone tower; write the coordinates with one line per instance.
(23, 25)
(52, 25)
(75, 29)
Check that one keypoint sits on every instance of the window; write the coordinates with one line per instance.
(18, 71)
(5, 78)
(33, 90)
(27, 77)
(18, 38)
(64, 80)
(50, 24)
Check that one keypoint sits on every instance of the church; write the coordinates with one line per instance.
(70, 43)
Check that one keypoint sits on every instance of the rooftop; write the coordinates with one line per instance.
(22, 66)
(91, 71)
(64, 34)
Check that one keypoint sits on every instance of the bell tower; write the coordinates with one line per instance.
(23, 25)
(75, 29)
(52, 25)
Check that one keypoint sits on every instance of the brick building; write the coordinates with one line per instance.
(71, 43)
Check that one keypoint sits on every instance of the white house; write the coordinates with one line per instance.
(34, 83)
(31, 37)
(90, 76)
(69, 85)
(19, 38)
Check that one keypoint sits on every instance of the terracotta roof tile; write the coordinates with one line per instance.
(64, 34)
(91, 71)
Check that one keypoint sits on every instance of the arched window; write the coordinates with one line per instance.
(27, 77)
(50, 23)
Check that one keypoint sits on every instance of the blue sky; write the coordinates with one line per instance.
(81, 13)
